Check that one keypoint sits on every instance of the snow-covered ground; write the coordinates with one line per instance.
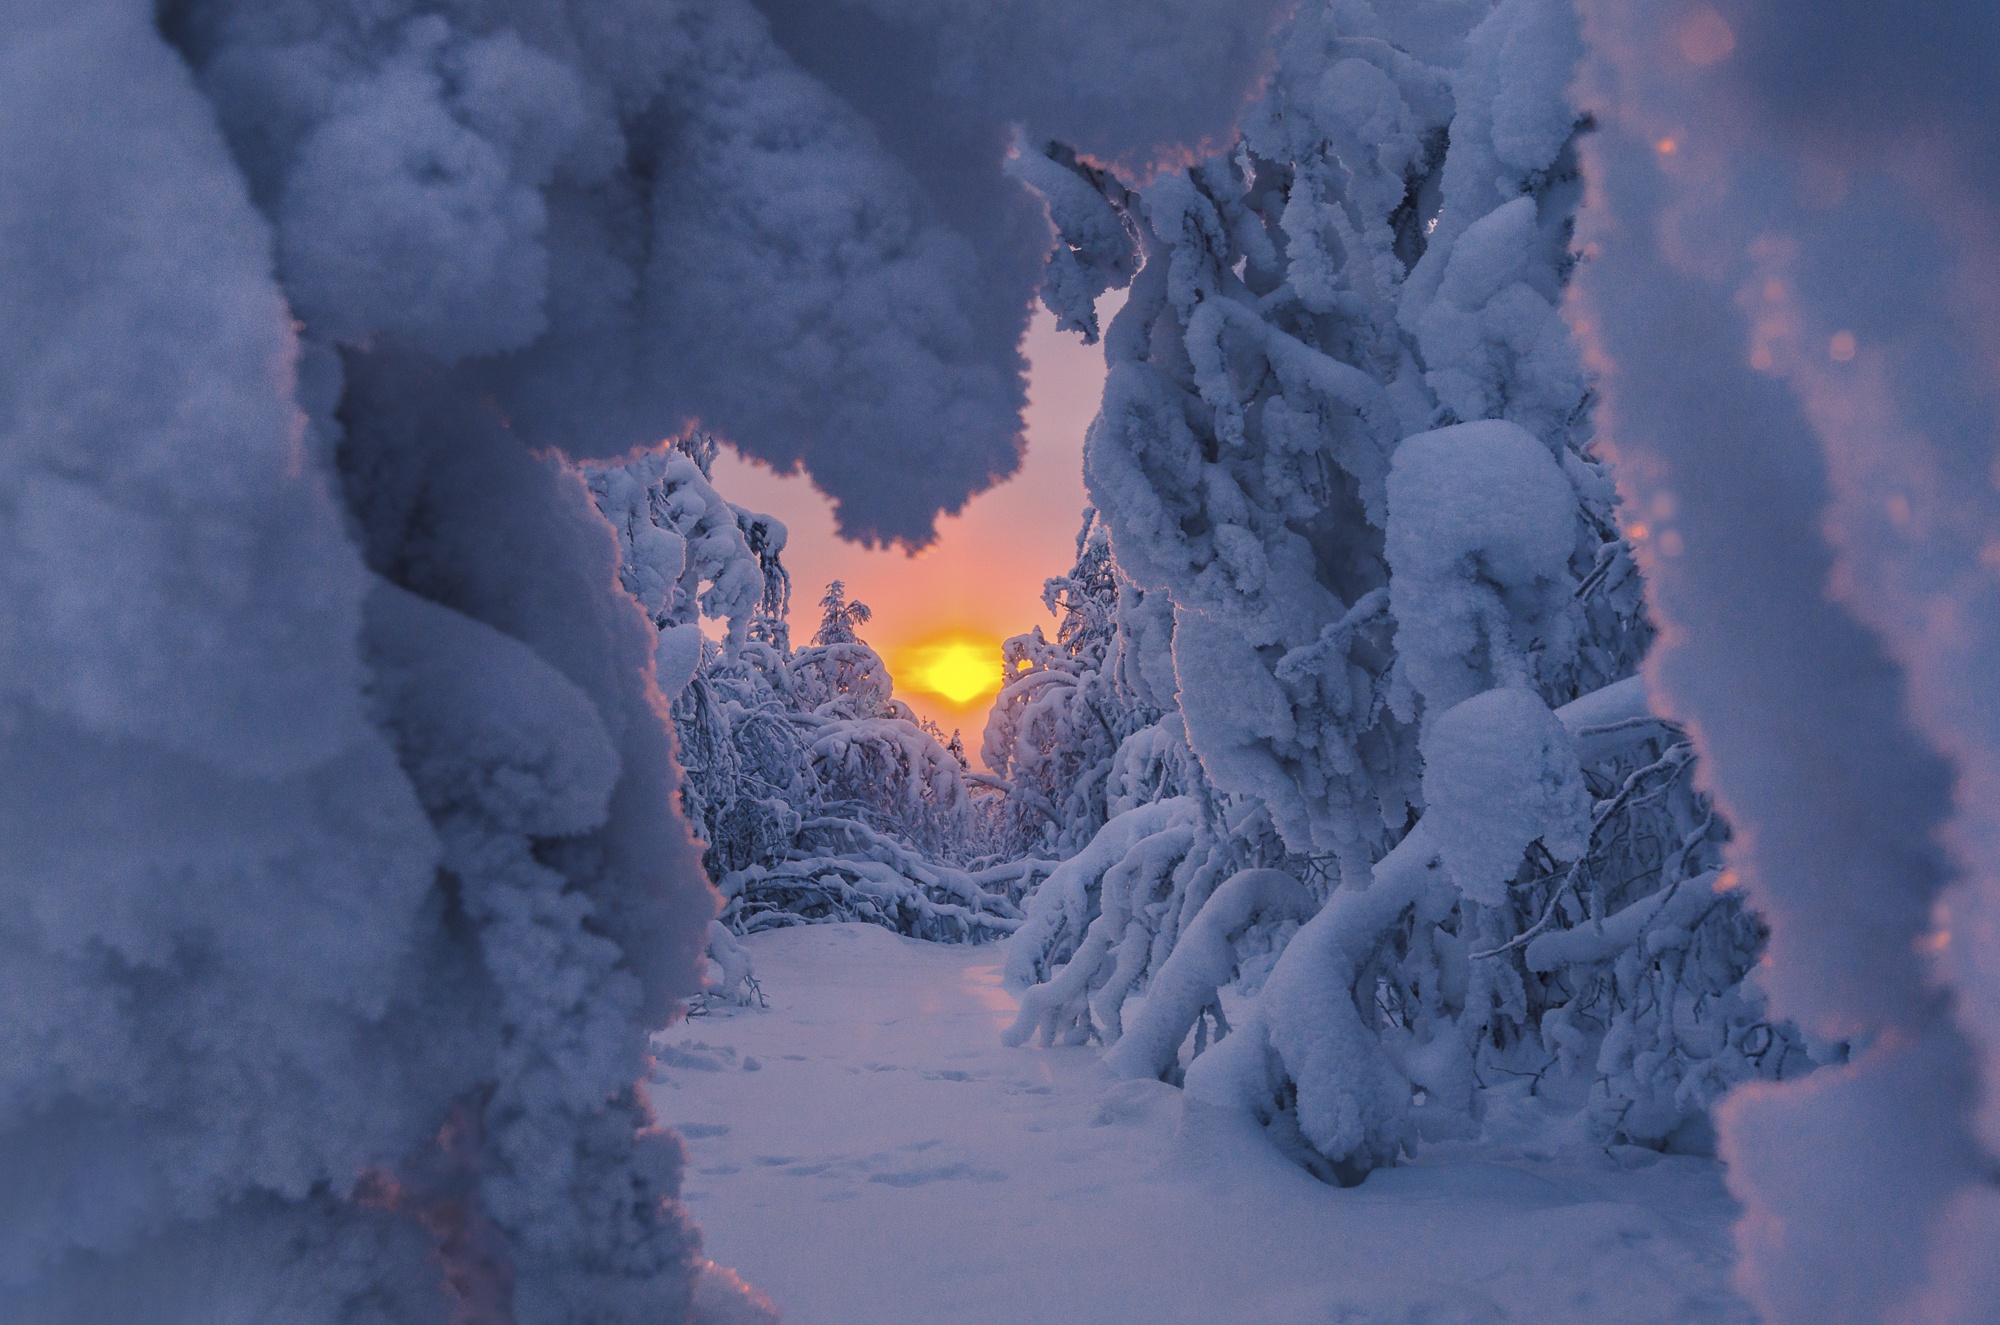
(866, 1151)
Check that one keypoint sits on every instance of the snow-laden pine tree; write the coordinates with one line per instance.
(1345, 434)
(818, 793)
(1065, 707)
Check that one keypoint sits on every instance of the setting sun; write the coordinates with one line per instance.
(957, 668)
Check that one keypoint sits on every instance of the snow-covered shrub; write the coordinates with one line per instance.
(1065, 708)
(818, 793)
(730, 976)
(1088, 733)
(684, 553)
(1345, 434)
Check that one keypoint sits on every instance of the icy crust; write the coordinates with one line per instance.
(1344, 462)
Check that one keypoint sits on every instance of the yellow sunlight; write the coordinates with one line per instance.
(958, 668)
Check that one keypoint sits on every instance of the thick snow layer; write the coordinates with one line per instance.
(1482, 522)
(1500, 772)
(1791, 301)
(787, 218)
(866, 1151)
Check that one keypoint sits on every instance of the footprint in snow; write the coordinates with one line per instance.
(941, 1173)
(1463, 1307)
(693, 1055)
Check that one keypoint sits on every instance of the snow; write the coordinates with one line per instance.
(344, 869)
(1790, 303)
(675, 534)
(1060, 911)
(1500, 772)
(1482, 522)
(866, 1151)
(1352, 1101)
(1202, 962)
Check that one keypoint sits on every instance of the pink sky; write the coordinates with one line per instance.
(983, 577)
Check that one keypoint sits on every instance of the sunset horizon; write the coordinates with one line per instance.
(981, 579)
(579, 751)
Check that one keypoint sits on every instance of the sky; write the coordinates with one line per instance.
(939, 616)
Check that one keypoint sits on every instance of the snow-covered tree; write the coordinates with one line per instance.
(820, 796)
(838, 618)
(1346, 435)
(1064, 707)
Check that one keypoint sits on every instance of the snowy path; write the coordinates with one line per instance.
(867, 1152)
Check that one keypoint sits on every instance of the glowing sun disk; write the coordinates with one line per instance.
(959, 668)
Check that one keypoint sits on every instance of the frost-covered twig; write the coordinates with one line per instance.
(1675, 760)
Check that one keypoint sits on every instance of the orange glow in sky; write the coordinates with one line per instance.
(958, 669)
(982, 580)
